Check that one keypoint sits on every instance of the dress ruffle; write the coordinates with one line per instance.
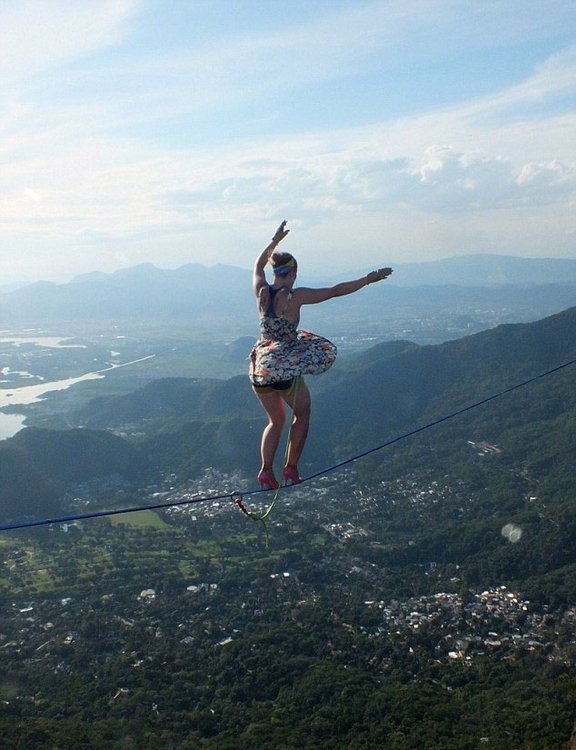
(283, 352)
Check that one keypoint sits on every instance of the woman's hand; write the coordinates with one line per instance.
(378, 275)
(281, 232)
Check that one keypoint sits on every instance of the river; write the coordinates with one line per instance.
(10, 424)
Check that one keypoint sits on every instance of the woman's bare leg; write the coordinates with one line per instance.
(299, 401)
(274, 407)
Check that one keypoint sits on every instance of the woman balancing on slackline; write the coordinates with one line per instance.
(283, 354)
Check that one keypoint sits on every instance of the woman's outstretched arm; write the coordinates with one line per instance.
(314, 296)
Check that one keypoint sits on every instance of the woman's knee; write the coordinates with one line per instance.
(274, 409)
(277, 419)
(301, 420)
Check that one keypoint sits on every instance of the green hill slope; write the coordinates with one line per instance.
(391, 388)
(38, 466)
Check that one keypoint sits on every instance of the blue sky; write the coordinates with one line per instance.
(385, 132)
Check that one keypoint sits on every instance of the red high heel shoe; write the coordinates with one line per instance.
(267, 480)
(291, 475)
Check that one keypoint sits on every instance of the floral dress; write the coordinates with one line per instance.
(283, 352)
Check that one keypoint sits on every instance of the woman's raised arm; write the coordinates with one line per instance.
(259, 276)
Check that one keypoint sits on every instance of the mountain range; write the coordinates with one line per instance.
(217, 295)
(488, 270)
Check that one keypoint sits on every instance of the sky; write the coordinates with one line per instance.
(178, 131)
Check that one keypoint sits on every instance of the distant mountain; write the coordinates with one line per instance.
(219, 296)
(487, 270)
(141, 292)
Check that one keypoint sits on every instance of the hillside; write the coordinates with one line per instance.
(401, 390)
(37, 467)
(187, 425)
(396, 386)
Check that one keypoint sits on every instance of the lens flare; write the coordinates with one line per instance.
(511, 532)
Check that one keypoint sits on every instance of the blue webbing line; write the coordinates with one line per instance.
(334, 467)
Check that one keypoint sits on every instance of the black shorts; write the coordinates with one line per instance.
(281, 385)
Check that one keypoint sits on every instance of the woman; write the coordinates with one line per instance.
(283, 354)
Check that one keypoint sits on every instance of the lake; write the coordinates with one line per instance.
(10, 424)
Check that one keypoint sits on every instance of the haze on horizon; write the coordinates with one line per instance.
(137, 131)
